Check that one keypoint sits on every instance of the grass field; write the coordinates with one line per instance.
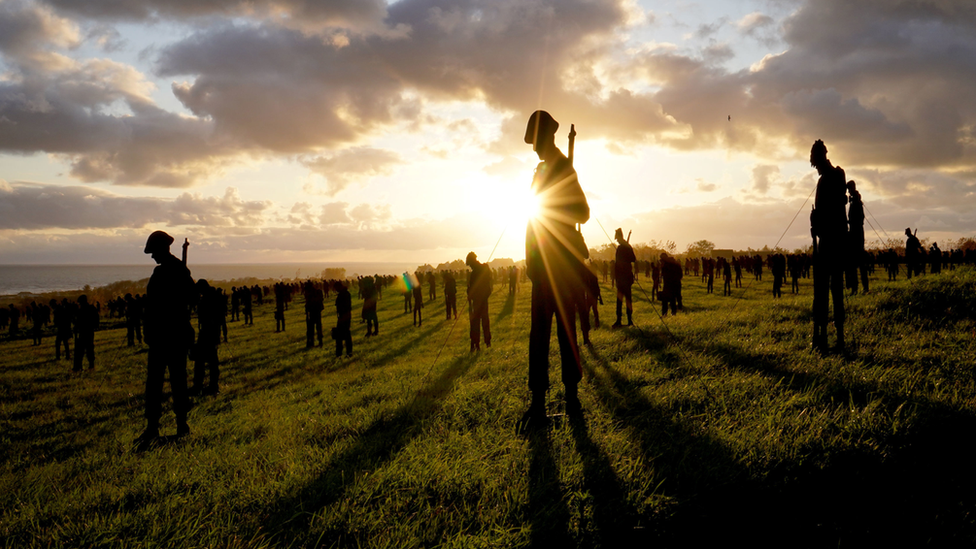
(716, 426)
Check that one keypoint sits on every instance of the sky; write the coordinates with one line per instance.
(367, 130)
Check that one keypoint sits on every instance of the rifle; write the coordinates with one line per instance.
(572, 142)
(628, 236)
(186, 244)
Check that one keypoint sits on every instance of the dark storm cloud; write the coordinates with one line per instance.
(35, 207)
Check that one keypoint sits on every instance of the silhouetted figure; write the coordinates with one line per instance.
(935, 258)
(589, 302)
(828, 227)
(779, 273)
(314, 304)
(655, 278)
(62, 326)
(205, 350)
(235, 304)
(247, 306)
(342, 333)
(223, 312)
(450, 294)
(280, 297)
(554, 255)
(913, 252)
(671, 289)
(133, 320)
(407, 293)
(512, 280)
(168, 332)
(418, 302)
(431, 286)
(726, 276)
(369, 307)
(857, 260)
(624, 276)
(479, 289)
(86, 322)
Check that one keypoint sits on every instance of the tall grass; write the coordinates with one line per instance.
(717, 425)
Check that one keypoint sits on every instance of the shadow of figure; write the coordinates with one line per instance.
(617, 522)
(548, 513)
(377, 444)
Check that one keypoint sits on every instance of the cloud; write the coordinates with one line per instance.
(705, 187)
(763, 177)
(41, 207)
(750, 24)
(344, 167)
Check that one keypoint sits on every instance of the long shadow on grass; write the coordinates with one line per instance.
(507, 309)
(909, 489)
(549, 515)
(616, 519)
(378, 443)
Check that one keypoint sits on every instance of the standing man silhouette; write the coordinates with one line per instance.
(168, 332)
(624, 275)
(479, 289)
(554, 254)
(828, 227)
(858, 260)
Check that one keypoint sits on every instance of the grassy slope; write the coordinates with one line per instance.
(722, 426)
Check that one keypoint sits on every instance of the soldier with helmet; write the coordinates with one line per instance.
(554, 254)
(828, 227)
(168, 332)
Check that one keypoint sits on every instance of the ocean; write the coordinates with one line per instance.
(38, 279)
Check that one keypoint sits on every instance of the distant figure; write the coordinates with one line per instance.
(235, 304)
(133, 320)
(314, 304)
(14, 316)
(589, 302)
(431, 286)
(828, 227)
(624, 276)
(418, 302)
(168, 332)
(913, 252)
(512, 280)
(86, 322)
(279, 293)
(655, 278)
(857, 260)
(247, 306)
(671, 272)
(479, 289)
(62, 326)
(779, 273)
(450, 294)
(554, 255)
(935, 258)
(342, 333)
(205, 351)
(407, 293)
(726, 277)
(369, 307)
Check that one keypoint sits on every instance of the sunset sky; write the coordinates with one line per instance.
(366, 130)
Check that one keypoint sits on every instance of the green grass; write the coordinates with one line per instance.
(721, 426)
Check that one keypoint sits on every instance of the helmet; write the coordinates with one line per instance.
(158, 241)
(540, 123)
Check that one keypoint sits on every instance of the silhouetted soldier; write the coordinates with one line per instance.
(913, 251)
(36, 314)
(168, 332)
(205, 351)
(554, 254)
(133, 320)
(828, 227)
(935, 257)
(589, 302)
(86, 322)
(671, 288)
(450, 294)
(247, 306)
(779, 273)
(279, 293)
(314, 304)
(62, 327)
(235, 304)
(342, 333)
(655, 278)
(418, 302)
(479, 289)
(223, 312)
(512, 280)
(857, 260)
(369, 306)
(624, 276)
(726, 277)
(407, 293)
(431, 286)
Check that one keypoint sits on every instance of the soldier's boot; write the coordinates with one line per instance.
(630, 318)
(182, 429)
(534, 419)
(151, 433)
(573, 405)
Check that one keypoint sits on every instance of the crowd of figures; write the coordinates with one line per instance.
(565, 288)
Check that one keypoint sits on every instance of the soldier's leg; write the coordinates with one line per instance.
(475, 326)
(837, 291)
(130, 334)
(486, 323)
(540, 332)
(309, 332)
(318, 328)
(79, 353)
(154, 387)
(572, 370)
(629, 299)
(620, 304)
(177, 382)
